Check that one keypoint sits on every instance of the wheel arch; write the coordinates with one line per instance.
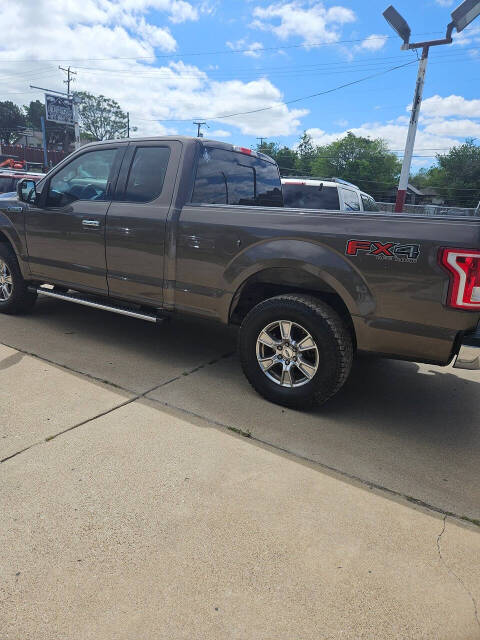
(9, 236)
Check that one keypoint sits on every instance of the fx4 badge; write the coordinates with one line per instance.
(384, 250)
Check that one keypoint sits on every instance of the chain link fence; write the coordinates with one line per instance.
(432, 209)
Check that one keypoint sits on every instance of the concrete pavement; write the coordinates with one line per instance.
(143, 523)
(409, 428)
(131, 511)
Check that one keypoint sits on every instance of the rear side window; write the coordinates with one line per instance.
(369, 204)
(350, 199)
(147, 174)
(228, 177)
(303, 196)
(6, 184)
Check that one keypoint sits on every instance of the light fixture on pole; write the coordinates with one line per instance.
(462, 16)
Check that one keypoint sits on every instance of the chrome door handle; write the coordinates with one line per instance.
(15, 209)
(91, 223)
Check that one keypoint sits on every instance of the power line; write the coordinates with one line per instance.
(305, 45)
(287, 102)
(284, 69)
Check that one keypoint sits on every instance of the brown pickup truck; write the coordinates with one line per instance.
(154, 227)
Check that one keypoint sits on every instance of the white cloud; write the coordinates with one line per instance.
(112, 48)
(469, 36)
(181, 11)
(252, 49)
(450, 106)
(156, 36)
(457, 128)
(445, 3)
(219, 133)
(312, 22)
(374, 42)
(438, 131)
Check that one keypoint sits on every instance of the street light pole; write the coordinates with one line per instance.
(412, 132)
(462, 16)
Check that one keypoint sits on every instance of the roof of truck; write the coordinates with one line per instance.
(188, 140)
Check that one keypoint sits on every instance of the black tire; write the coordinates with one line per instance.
(20, 299)
(333, 356)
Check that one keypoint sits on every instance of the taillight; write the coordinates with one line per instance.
(244, 150)
(464, 268)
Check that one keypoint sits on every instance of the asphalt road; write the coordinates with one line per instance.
(410, 429)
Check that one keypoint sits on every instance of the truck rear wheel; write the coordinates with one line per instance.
(14, 294)
(295, 350)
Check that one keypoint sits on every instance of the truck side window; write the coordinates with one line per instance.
(350, 199)
(369, 204)
(302, 196)
(147, 174)
(84, 178)
(230, 177)
(6, 184)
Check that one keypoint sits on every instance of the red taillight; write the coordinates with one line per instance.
(249, 152)
(464, 268)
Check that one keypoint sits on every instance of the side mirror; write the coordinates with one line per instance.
(27, 191)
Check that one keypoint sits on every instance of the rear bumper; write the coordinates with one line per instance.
(469, 354)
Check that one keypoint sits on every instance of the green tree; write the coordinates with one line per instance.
(101, 117)
(33, 113)
(287, 159)
(269, 148)
(12, 120)
(363, 161)
(457, 175)
(306, 153)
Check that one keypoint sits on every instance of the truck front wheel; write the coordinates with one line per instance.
(14, 294)
(295, 350)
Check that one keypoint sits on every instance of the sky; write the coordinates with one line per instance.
(169, 62)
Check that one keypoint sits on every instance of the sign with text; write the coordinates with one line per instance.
(59, 109)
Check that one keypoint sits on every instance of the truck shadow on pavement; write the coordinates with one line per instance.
(418, 399)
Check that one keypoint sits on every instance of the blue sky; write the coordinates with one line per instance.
(170, 61)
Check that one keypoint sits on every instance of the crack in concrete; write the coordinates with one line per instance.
(136, 397)
(459, 580)
(367, 483)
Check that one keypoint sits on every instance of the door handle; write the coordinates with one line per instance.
(15, 209)
(90, 223)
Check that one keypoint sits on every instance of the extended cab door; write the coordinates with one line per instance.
(136, 221)
(66, 231)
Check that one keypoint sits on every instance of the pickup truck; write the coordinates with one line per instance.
(154, 227)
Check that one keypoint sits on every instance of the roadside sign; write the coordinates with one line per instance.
(59, 109)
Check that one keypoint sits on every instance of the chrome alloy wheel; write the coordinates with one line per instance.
(287, 353)
(6, 284)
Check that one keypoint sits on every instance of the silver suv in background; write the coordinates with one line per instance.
(329, 193)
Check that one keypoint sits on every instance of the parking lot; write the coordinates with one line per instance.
(104, 415)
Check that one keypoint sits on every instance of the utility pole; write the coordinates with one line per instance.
(261, 141)
(199, 126)
(69, 79)
(128, 124)
(462, 16)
